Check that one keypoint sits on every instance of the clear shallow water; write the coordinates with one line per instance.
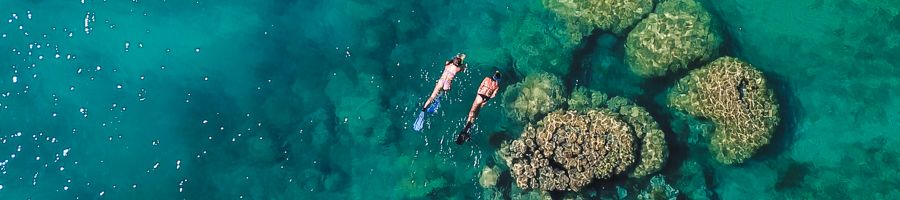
(315, 99)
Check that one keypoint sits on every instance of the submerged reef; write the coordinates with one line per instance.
(652, 152)
(679, 33)
(567, 149)
(652, 143)
(734, 96)
(489, 176)
(694, 180)
(537, 95)
(597, 137)
(658, 190)
(583, 99)
(538, 46)
(609, 15)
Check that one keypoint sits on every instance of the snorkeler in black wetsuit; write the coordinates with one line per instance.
(486, 91)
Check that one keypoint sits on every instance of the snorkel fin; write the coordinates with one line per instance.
(420, 122)
(464, 136)
(434, 106)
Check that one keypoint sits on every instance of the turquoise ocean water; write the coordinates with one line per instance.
(310, 99)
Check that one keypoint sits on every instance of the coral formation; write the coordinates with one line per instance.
(653, 152)
(616, 102)
(610, 15)
(489, 176)
(679, 33)
(539, 94)
(658, 190)
(734, 96)
(503, 157)
(693, 180)
(518, 193)
(583, 99)
(539, 46)
(566, 150)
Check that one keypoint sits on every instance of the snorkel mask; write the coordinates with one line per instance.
(458, 60)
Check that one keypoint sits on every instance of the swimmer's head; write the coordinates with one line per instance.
(458, 60)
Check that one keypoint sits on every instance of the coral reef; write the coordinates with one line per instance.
(653, 154)
(734, 96)
(492, 194)
(489, 176)
(566, 150)
(658, 190)
(583, 99)
(539, 46)
(652, 149)
(610, 15)
(621, 193)
(503, 155)
(617, 102)
(679, 33)
(539, 94)
(693, 181)
(518, 193)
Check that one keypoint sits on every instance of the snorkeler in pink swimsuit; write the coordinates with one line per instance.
(451, 67)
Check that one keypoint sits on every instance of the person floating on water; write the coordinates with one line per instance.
(451, 67)
(486, 91)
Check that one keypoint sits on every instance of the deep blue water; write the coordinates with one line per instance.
(316, 99)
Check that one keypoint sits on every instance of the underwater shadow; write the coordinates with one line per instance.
(580, 57)
(655, 88)
(790, 112)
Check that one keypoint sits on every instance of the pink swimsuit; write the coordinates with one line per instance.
(448, 75)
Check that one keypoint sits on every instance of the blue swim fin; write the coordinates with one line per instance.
(434, 106)
(420, 121)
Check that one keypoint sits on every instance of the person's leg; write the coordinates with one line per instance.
(473, 113)
(437, 89)
(476, 106)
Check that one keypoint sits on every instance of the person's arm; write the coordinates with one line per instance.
(496, 89)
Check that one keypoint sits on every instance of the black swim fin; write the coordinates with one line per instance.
(464, 134)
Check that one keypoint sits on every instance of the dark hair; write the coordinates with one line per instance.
(497, 76)
(455, 60)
